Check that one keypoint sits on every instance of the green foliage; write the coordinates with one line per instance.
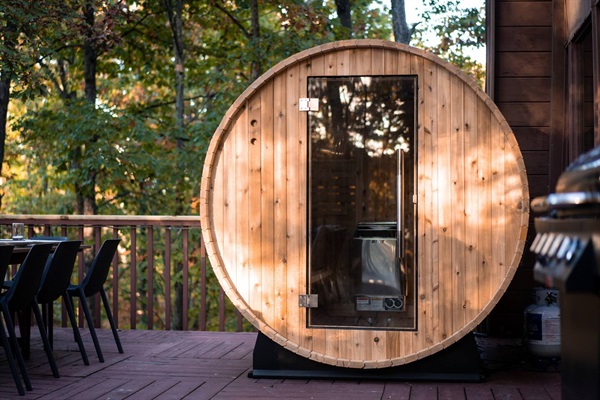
(452, 31)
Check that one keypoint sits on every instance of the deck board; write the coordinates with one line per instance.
(215, 365)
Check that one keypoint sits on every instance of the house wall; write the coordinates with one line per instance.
(522, 56)
(544, 62)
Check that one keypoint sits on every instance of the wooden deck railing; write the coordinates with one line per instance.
(161, 278)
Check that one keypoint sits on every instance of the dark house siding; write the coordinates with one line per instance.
(522, 81)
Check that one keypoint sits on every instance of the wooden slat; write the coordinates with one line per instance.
(294, 195)
(458, 152)
(255, 143)
(444, 205)
(267, 204)
(472, 219)
(280, 205)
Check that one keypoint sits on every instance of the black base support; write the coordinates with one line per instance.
(459, 362)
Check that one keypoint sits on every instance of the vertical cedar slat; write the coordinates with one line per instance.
(293, 169)
(255, 139)
(428, 270)
(484, 164)
(133, 278)
(279, 211)
(186, 268)
(150, 266)
(242, 230)
(444, 204)
(229, 205)
(267, 204)
(457, 152)
(471, 210)
(167, 276)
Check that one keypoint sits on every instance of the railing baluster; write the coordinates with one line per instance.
(133, 279)
(167, 278)
(185, 279)
(150, 264)
(80, 270)
(203, 311)
(115, 280)
(221, 309)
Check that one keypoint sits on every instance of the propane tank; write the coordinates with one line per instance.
(542, 324)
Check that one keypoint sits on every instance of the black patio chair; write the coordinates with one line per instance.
(55, 281)
(20, 296)
(93, 283)
(5, 254)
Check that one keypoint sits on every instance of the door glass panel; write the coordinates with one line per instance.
(361, 208)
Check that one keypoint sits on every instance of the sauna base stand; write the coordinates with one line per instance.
(459, 362)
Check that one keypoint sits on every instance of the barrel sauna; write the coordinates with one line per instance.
(364, 204)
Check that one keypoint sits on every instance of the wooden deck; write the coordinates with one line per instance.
(215, 365)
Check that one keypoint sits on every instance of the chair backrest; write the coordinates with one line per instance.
(5, 253)
(98, 271)
(27, 279)
(58, 271)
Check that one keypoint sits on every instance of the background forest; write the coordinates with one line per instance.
(108, 106)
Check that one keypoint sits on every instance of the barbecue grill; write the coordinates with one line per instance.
(567, 248)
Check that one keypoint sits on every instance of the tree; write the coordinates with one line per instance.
(402, 33)
(27, 35)
(455, 30)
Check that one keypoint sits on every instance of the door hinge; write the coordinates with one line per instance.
(308, 300)
(308, 104)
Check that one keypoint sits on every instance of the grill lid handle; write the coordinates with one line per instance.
(561, 201)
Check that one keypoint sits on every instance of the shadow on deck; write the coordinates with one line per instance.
(215, 365)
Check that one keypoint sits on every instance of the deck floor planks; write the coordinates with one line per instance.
(216, 367)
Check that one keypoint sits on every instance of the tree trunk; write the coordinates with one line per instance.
(256, 59)
(175, 14)
(86, 199)
(5, 82)
(402, 33)
(344, 9)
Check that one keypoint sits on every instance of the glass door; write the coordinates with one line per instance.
(361, 202)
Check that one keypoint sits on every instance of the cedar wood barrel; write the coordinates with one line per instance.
(472, 199)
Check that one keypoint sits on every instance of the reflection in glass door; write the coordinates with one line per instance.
(361, 202)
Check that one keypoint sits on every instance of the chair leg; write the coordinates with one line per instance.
(90, 322)
(113, 326)
(11, 360)
(47, 348)
(12, 336)
(71, 313)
